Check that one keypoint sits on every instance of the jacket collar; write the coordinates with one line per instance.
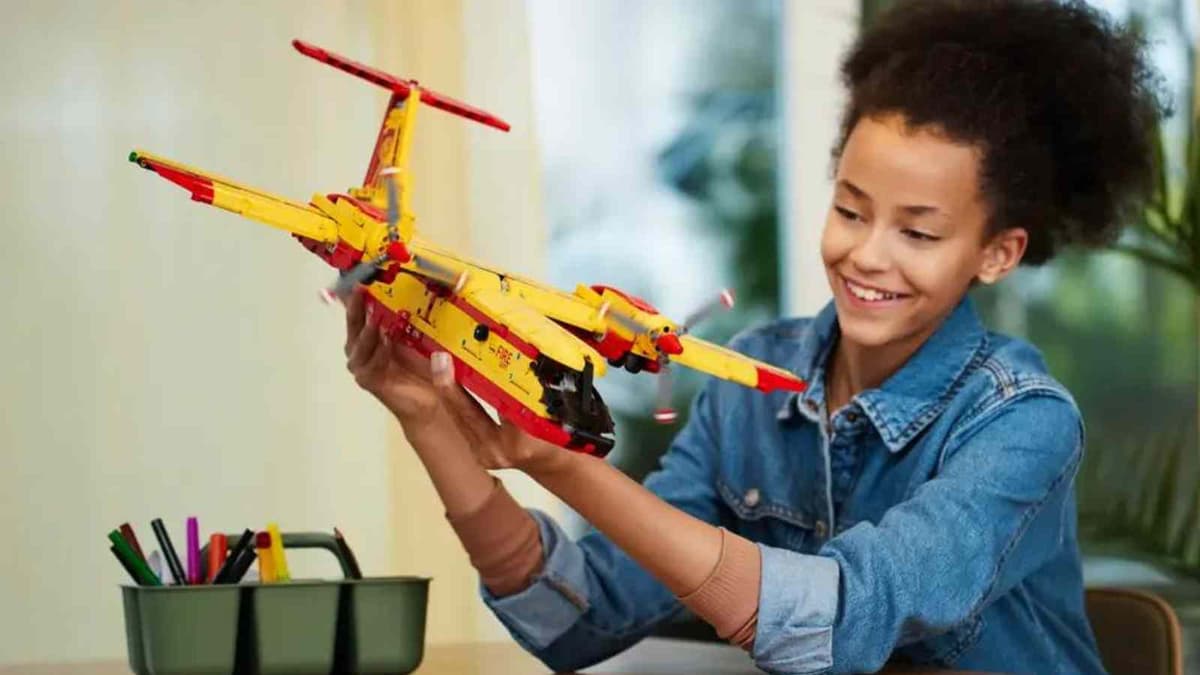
(913, 396)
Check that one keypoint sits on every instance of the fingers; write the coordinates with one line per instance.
(356, 313)
(410, 360)
(378, 360)
(365, 345)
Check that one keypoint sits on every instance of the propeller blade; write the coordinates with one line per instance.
(663, 412)
(724, 299)
(625, 322)
(347, 282)
(455, 280)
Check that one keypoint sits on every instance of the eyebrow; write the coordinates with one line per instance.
(911, 209)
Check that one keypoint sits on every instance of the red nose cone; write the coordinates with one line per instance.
(668, 343)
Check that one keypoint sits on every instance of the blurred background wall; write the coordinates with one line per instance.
(686, 149)
(164, 359)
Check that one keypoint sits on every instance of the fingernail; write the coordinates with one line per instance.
(442, 368)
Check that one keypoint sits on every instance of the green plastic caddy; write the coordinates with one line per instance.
(372, 625)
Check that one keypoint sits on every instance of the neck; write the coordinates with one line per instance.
(854, 368)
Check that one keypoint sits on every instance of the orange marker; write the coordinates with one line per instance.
(218, 547)
(266, 557)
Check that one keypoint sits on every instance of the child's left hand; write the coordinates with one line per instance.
(503, 446)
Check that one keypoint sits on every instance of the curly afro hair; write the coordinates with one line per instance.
(1061, 102)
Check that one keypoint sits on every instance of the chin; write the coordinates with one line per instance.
(875, 327)
(867, 332)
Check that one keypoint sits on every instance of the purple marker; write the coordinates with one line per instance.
(193, 552)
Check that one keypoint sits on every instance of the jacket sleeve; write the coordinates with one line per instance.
(994, 512)
(591, 600)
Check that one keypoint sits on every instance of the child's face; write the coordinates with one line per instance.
(906, 233)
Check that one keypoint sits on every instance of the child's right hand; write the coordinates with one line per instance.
(402, 379)
(391, 371)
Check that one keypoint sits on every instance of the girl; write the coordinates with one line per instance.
(917, 501)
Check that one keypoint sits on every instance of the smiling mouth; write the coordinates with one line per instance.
(870, 294)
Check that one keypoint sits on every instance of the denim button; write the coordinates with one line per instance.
(820, 529)
(752, 497)
(852, 417)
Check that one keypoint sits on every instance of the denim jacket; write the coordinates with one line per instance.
(930, 520)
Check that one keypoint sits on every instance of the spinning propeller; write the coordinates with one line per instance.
(667, 344)
(394, 251)
(360, 273)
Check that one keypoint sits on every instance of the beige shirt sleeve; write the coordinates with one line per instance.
(728, 598)
(502, 541)
(505, 547)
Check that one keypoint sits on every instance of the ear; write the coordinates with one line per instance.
(1002, 254)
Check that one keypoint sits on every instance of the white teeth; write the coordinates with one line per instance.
(868, 294)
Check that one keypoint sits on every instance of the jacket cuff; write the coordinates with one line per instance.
(797, 607)
(558, 596)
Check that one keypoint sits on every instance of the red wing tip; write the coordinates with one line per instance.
(200, 186)
(308, 49)
(771, 380)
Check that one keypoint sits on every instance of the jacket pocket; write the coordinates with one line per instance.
(756, 514)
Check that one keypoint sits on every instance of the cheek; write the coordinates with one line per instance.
(947, 274)
(833, 242)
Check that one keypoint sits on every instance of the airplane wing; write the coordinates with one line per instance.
(264, 207)
(531, 326)
(730, 365)
(545, 299)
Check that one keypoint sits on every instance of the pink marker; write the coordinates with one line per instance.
(193, 552)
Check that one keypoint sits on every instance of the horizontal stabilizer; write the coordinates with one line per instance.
(402, 88)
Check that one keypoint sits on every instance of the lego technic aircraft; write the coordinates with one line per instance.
(530, 350)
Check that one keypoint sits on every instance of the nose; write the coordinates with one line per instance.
(870, 252)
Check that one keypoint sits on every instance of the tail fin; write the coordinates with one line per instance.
(387, 146)
(391, 144)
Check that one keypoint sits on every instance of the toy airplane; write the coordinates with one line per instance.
(530, 350)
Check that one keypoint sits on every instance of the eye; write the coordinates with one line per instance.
(846, 213)
(918, 235)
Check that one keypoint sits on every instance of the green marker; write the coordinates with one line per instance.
(142, 572)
